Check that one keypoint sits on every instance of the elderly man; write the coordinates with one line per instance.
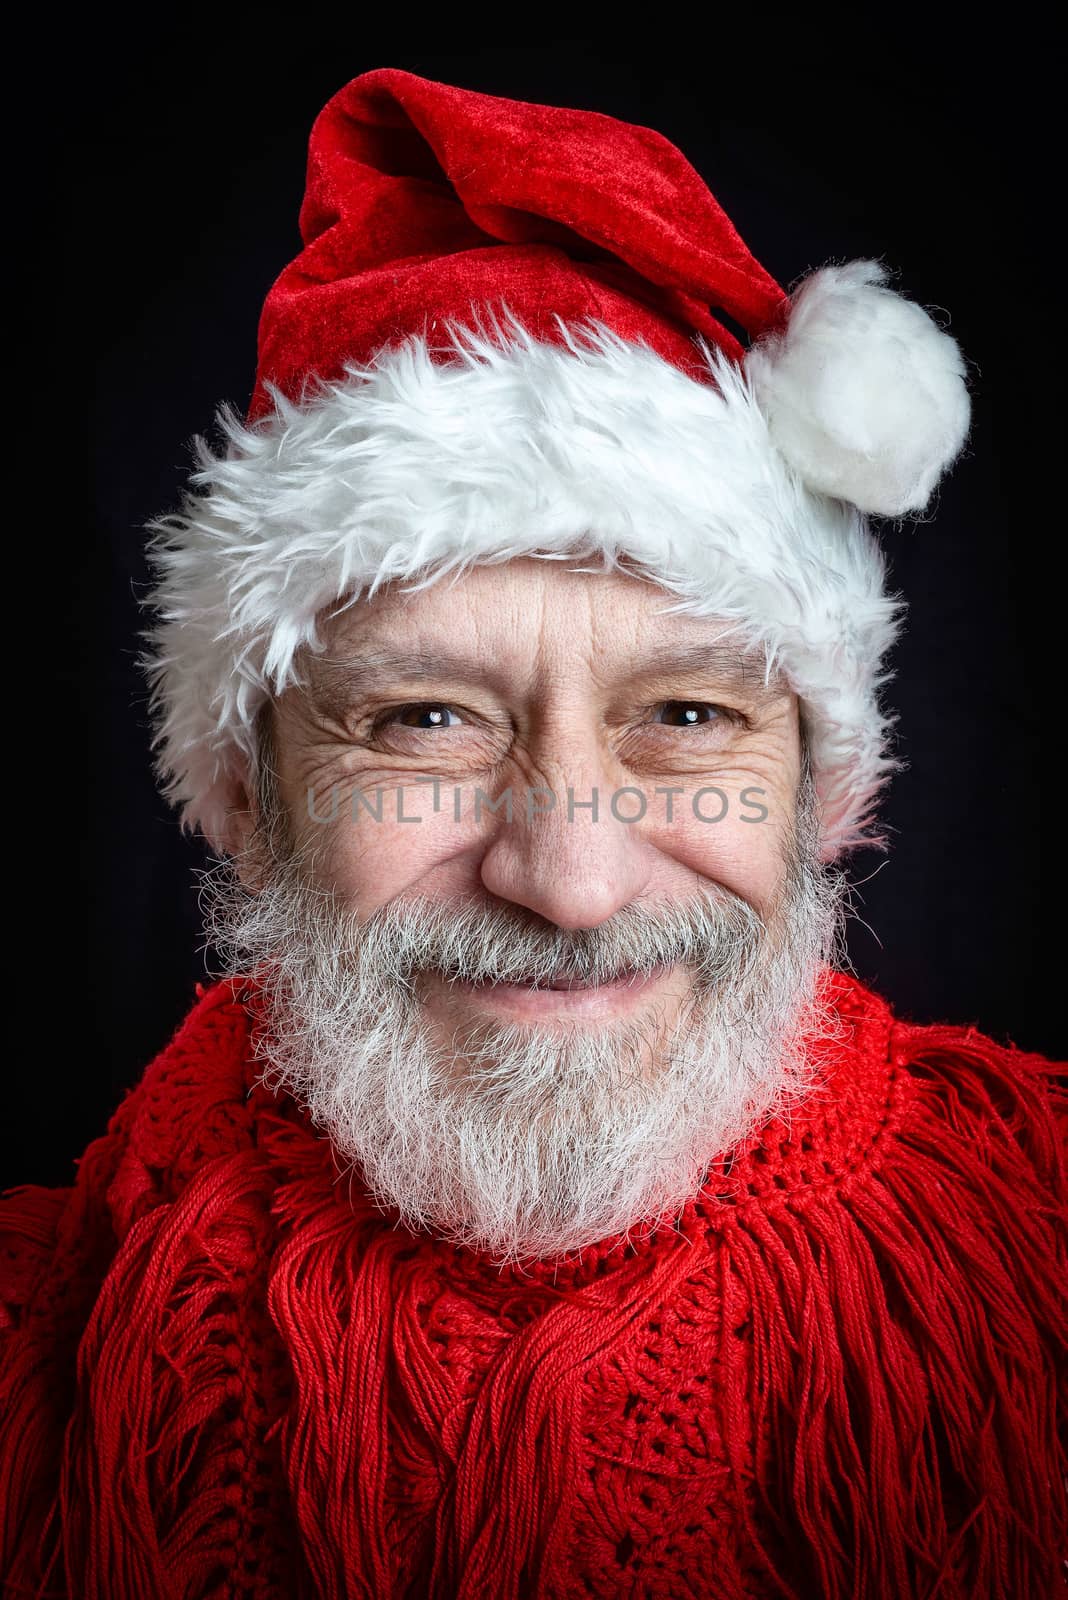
(537, 1207)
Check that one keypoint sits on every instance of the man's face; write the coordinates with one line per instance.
(547, 921)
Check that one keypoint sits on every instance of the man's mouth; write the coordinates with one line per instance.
(571, 981)
(559, 995)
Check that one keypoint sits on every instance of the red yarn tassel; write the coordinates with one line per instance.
(56, 1248)
(31, 1372)
(905, 1330)
(378, 1423)
(155, 1466)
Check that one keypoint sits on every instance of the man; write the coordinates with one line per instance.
(536, 1207)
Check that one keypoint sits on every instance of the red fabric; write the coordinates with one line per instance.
(426, 202)
(223, 1373)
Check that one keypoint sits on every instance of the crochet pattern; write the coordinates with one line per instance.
(839, 1372)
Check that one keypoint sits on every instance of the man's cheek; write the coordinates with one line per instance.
(738, 842)
(399, 847)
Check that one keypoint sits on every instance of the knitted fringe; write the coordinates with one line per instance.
(155, 1471)
(156, 1458)
(905, 1334)
(29, 1380)
(890, 1417)
(900, 1377)
(375, 1411)
(55, 1247)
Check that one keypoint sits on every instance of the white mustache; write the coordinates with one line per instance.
(714, 935)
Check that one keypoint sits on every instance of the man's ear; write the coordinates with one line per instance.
(236, 834)
(247, 806)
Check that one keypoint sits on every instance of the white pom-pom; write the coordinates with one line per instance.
(863, 393)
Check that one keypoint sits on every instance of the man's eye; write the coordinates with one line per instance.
(687, 713)
(424, 716)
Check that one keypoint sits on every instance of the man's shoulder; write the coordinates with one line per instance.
(188, 1107)
(959, 1084)
(963, 1051)
(190, 1104)
(854, 998)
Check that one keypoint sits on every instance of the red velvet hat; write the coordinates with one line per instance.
(504, 336)
(424, 203)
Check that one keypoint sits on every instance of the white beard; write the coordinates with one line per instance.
(520, 1141)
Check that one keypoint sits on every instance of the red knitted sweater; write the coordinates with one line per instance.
(841, 1373)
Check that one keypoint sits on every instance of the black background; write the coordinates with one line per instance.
(164, 173)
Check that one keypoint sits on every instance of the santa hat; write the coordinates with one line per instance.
(504, 337)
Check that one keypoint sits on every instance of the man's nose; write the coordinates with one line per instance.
(566, 854)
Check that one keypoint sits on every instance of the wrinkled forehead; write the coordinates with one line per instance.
(530, 619)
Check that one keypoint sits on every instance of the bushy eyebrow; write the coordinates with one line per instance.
(726, 666)
(715, 661)
(363, 669)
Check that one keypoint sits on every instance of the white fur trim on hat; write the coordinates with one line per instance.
(415, 466)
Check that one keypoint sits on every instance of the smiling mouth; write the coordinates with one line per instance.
(566, 983)
(620, 980)
(565, 997)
